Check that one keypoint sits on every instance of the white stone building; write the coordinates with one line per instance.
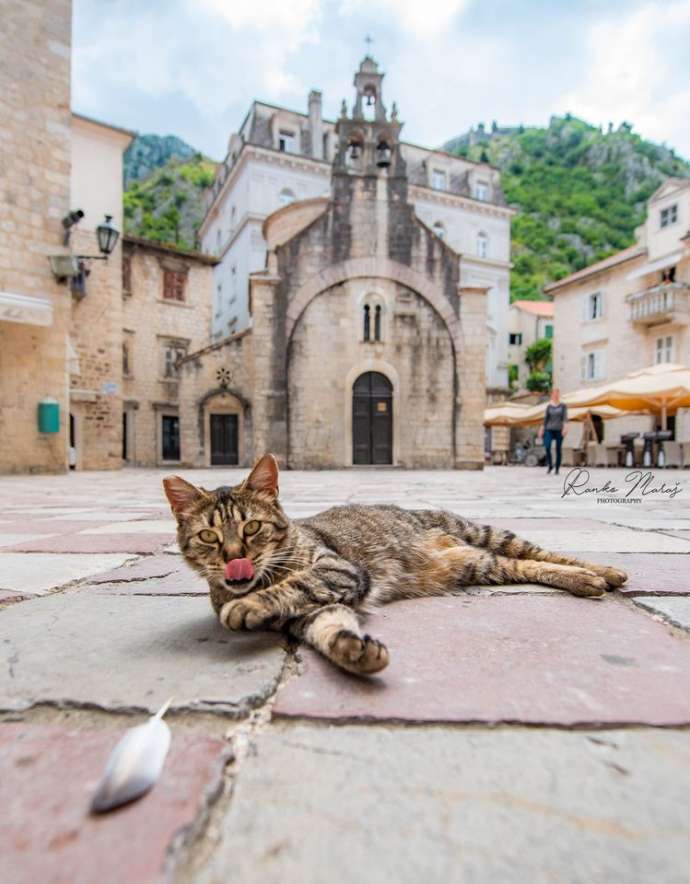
(528, 321)
(630, 310)
(281, 156)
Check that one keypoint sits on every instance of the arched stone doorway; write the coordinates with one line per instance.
(372, 419)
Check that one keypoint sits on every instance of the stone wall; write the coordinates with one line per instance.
(218, 380)
(416, 355)
(96, 375)
(149, 324)
(34, 197)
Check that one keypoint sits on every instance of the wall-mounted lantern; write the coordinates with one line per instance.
(108, 236)
(73, 267)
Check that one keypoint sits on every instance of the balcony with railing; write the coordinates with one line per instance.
(666, 302)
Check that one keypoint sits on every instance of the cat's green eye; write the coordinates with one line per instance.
(251, 527)
(208, 536)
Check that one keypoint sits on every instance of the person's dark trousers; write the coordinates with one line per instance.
(557, 437)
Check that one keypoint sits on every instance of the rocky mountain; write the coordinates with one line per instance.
(149, 152)
(168, 206)
(580, 191)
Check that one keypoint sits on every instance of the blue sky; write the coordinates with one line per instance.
(192, 67)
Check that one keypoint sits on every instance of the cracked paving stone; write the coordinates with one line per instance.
(132, 653)
(675, 610)
(380, 805)
(551, 659)
(48, 774)
(155, 575)
(40, 572)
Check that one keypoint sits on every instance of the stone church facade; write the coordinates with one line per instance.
(364, 346)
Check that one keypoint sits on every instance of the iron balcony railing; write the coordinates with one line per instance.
(660, 303)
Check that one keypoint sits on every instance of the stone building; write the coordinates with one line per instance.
(528, 321)
(167, 295)
(61, 174)
(280, 156)
(365, 345)
(34, 197)
(630, 310)
(94, 415)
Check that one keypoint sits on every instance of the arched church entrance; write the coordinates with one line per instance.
(372, 419)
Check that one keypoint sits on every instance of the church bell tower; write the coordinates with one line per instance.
(368, 140)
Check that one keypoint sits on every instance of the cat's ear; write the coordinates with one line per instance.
(264, 477)
(181, 495)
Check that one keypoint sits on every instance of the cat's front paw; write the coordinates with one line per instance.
(245, 614)
(363, 655)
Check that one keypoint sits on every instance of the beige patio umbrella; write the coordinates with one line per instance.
(510, 414)
(660, 389)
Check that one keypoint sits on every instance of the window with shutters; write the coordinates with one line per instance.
(174, 285)
(126, 275)
(173, 351)
(481, 191)
(594, 306)
(593, 366)
(439, 179)
(669, 215)
(664, 349)
(287, 141)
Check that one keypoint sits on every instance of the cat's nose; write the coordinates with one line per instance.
(232, 551)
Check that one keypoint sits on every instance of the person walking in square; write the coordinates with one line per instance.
(554, 428)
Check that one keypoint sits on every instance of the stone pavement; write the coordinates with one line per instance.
(518, 735)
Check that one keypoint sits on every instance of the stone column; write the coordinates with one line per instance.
(471, 393)
(269, 400)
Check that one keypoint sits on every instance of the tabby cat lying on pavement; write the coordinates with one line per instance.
(312, 576)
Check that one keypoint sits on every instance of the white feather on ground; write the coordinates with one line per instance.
(135, 763)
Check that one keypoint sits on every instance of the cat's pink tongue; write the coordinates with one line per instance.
(239, 569)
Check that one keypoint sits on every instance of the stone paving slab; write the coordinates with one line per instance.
(146, 526)
(675, 610)
(377, 805)
(131, 654)
(14, 538)
(47, 777)
(38, 573)
(607, 539)
(538, 659)
(648, 574)
(48, 527)
(134, 544)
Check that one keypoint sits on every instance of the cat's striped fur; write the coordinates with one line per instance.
(314, 577)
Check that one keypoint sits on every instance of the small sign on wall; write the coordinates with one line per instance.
(382, 406)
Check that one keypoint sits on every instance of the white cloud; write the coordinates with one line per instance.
(422, 19)
(635, 68)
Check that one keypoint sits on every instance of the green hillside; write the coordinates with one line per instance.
(168, 206)
(580, 192)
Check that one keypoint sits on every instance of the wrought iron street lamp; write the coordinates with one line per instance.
(108, 236)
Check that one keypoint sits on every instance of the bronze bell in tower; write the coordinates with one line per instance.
(383, 155)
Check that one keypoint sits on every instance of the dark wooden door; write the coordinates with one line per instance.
(372, 419)
(224, 444)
